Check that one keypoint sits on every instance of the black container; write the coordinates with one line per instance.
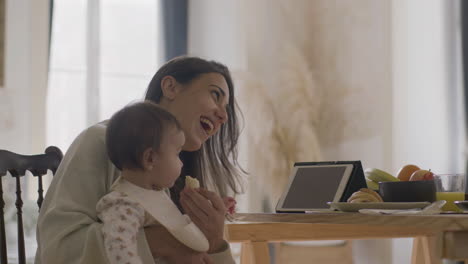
(408, 191)
(463, 205)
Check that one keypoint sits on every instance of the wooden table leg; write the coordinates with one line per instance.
(246, 253)
(417, 255)
(255, 252)
(427, 250)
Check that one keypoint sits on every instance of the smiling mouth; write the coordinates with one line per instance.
(207, 125)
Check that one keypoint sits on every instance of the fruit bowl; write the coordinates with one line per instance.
(408, 191)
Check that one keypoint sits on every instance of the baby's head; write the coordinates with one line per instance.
(144, 138)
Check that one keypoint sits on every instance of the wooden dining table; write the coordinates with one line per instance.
(436, 236)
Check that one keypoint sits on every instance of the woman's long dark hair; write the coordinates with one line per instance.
(215, 163)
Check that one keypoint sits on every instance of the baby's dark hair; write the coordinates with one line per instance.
(134, 129)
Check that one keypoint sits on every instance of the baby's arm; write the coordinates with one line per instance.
(122, 218)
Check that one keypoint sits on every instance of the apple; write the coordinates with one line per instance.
(422, 175)
(406, 171)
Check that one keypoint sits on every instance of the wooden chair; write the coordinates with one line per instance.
(17, 165)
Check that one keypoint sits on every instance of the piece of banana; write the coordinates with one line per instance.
(191, 182)
(377, 175)
(362, 196)
(375, 194)
(372, 185)
(365, 195)
(362, 200)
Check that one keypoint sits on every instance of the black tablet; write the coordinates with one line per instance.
(311, 186)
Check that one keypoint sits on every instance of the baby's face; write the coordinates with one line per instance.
(168, 165)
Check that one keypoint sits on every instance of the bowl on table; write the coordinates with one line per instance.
(408, 191)
(463, 205)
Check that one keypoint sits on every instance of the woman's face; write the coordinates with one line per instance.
(199, 106)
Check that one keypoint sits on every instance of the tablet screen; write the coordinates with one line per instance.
(311, 187)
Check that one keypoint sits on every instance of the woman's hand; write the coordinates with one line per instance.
(163, 244)
(207, 211)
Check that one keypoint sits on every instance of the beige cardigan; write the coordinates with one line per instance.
(68, 230)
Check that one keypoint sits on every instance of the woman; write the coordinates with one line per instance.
(200, 94)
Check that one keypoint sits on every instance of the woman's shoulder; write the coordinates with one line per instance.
(94, 135)
(98, 130)
(90, 144)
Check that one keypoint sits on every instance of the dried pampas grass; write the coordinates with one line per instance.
(282, 112)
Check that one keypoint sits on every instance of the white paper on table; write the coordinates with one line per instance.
(432, 209)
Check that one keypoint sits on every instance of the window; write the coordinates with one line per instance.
(103, 55)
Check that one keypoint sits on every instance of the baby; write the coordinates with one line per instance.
(144, 142)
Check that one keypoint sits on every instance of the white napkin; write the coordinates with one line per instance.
(434, 208)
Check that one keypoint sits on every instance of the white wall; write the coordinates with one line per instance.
(22, 100)
(215, 32)
(428, 123)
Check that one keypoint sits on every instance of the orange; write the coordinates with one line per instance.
(405, 172)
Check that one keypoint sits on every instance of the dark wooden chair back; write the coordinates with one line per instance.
(17, 165)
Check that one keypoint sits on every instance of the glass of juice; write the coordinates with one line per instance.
(450, 187)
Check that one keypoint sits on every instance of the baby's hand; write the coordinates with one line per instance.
(230, 204)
